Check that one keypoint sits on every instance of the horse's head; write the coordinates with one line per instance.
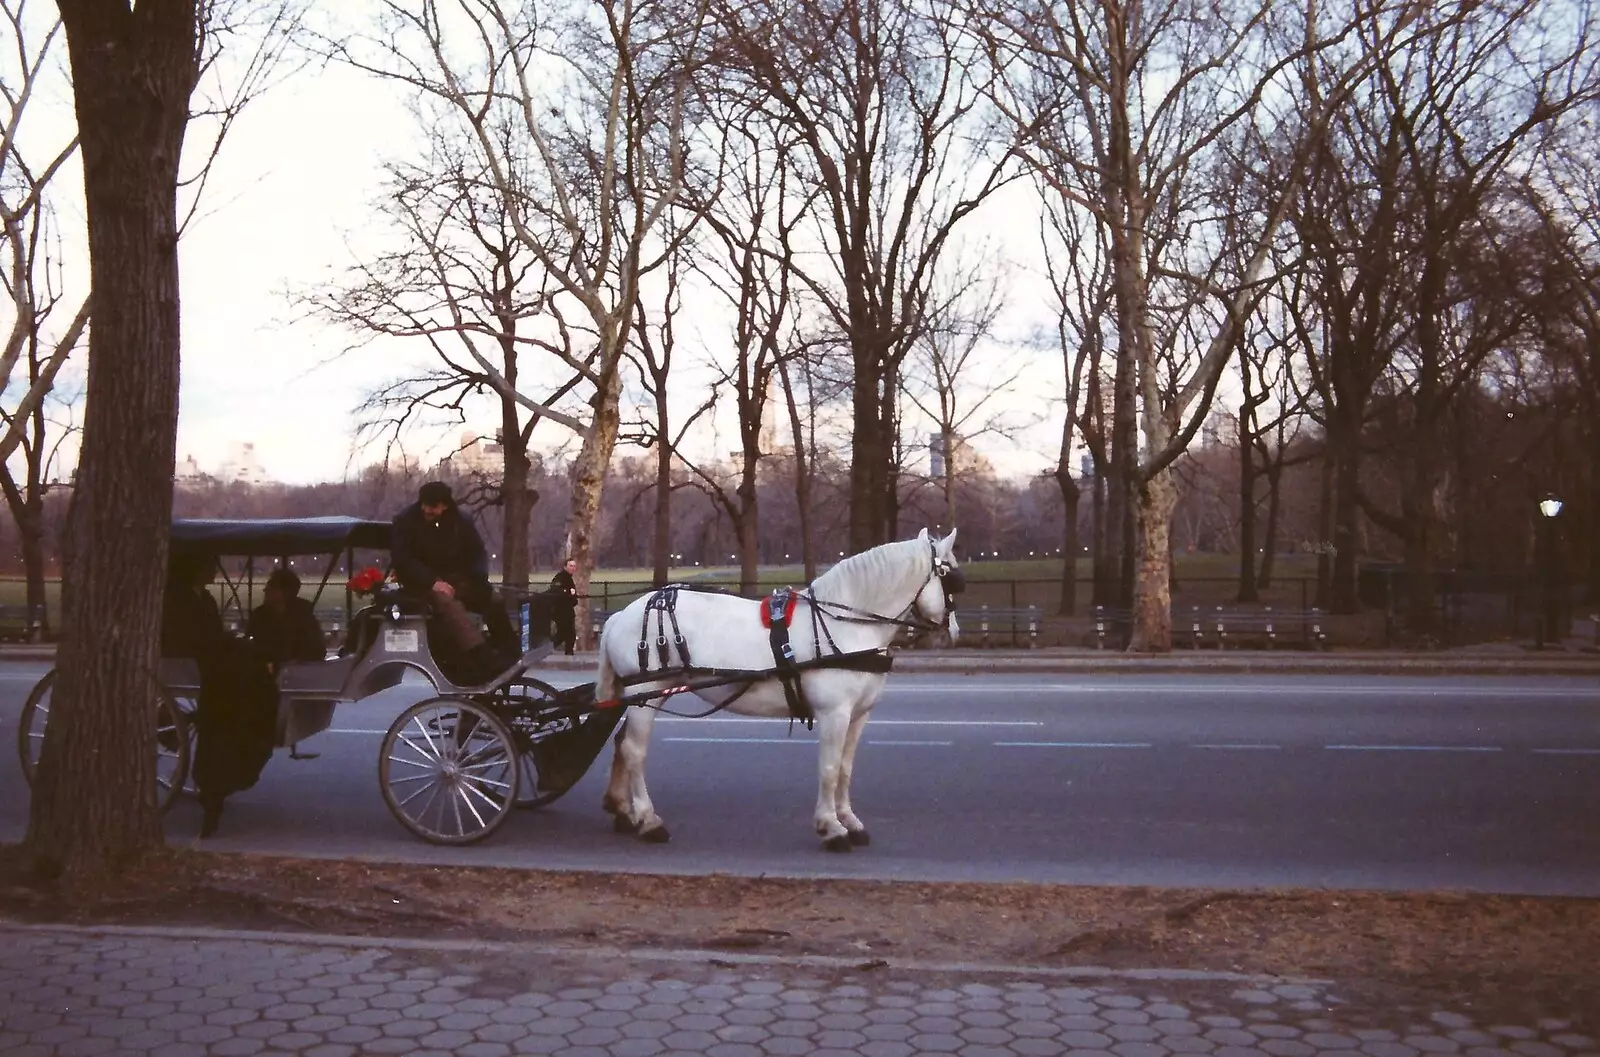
(936, 602)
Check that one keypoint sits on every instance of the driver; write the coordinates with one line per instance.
(439, 555)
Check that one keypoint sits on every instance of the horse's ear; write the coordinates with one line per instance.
(923, 535)
(947, 546)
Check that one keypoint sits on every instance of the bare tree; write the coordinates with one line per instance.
(94, 799)
(462, 284)
(576, 119)
(1270, 409)
(1076, 262)
(885, 102)
(655, 335)
(752, 217)
(45, 324)
(1565, 195)
(134, 76)
(1138, 105)
(958, 375)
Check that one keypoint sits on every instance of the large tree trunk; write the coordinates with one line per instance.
(802, 472)
(589, 473)
(94, 796)
(1152, 588)
(748, 527)
(1325, 515)
(1070, 495)
(661, 526)
(870, 450)
(1269, 545)
(1247, 512)
(1104, 556)
(1342, 596)
(516, 501)
(1593, 426)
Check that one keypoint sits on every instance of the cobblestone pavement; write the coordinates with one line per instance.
(183, 992)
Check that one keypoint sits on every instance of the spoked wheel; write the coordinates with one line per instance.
(448, 771)
(558, 734)
(174, 739)
(187, 708)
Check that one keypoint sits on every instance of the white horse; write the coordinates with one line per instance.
(856, 607)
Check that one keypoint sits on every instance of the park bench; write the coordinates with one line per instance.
(1224, 626)
(17, 623)
(1012, 623)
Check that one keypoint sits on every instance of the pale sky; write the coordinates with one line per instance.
(291, 192)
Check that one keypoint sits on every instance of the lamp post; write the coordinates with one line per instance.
(1550, 610)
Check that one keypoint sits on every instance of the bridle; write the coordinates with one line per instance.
(951, 579)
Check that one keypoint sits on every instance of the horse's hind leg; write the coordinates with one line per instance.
(832, 732)
(626, 797)
(616, 800)
(855, 829)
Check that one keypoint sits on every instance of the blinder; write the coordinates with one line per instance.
(952, 580)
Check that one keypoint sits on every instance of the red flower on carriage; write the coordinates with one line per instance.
(365, 581)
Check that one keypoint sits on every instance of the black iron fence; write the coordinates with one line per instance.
(1206, 613)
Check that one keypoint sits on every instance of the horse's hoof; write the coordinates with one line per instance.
(622, 824)
(859, 837)
(658, 835)
(839, 843)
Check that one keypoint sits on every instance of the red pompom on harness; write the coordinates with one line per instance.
(783, 601)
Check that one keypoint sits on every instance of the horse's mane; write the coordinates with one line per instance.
(877, 578)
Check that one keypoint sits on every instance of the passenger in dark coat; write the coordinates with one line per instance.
(439, 555)
(284, 627)
(236, 722)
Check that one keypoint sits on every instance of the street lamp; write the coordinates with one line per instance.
(1549, 589)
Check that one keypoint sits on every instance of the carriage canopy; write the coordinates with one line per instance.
(278, 536)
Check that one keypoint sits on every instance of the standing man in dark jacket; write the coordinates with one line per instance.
(439, 555)
(565, 588)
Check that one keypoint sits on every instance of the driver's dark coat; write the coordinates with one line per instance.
(449, 550)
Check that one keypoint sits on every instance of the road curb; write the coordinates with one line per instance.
(686, 955)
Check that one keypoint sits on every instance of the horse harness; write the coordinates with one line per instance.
(777, 615)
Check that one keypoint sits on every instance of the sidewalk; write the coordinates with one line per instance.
(192, 992)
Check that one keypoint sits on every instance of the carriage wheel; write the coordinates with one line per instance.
(174, 739)
(554, 751)
(187, 708)
(448, 771)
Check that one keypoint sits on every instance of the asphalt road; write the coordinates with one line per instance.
(1478, 783)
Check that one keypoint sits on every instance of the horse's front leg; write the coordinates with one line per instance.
(627, 798)
(855, 829)
(832, 733)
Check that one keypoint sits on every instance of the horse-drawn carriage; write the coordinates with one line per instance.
(452, 766)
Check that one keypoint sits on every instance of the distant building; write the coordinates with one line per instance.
(241, 467)
(188, 472)
(960, 458)
(478, 454)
